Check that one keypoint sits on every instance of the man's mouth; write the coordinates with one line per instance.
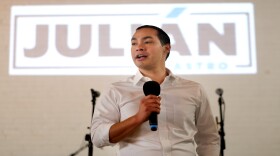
(139, 56)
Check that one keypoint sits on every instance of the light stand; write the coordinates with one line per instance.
(94, 94)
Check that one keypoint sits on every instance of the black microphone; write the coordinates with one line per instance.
(152, 87)
(219, 91)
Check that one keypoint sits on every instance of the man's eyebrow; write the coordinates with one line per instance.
(147, 37)
(144, 38)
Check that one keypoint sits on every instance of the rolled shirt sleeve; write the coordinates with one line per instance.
(106, 114)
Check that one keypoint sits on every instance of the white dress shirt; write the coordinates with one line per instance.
(186, 126)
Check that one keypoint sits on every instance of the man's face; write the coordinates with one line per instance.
(146, 50)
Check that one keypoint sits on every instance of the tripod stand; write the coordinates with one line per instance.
(94, 95)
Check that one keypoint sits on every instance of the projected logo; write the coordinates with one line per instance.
(95, 39)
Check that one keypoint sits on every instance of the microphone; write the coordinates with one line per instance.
(152, 87)
(219, 91)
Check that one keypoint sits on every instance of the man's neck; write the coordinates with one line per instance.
(155, 75)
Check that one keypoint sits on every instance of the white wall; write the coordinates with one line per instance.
(49, 115)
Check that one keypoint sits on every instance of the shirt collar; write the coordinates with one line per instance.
(139, 79)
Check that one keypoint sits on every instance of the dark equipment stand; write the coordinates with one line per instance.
(221, 123)
(94, 94)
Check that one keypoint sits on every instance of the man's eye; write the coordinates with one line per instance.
(147, 42)
(133, 43)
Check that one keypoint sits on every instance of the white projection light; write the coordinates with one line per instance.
(210, 38)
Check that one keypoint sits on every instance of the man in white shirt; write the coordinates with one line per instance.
(186, 126)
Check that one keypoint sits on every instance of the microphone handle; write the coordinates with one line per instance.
(153, 121)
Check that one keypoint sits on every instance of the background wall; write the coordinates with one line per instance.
(49, 115)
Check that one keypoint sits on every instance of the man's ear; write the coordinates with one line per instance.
(167, 47)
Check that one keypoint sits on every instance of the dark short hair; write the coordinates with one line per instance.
(162, 35)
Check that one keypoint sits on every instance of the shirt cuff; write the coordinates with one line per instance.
(101, 136)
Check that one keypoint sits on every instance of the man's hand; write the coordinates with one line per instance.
(148, 104)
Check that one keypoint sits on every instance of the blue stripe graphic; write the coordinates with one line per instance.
(175, 12)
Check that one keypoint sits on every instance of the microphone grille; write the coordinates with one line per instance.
(151, 87)
(219, 91)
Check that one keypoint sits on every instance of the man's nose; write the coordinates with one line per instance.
(140, 47)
